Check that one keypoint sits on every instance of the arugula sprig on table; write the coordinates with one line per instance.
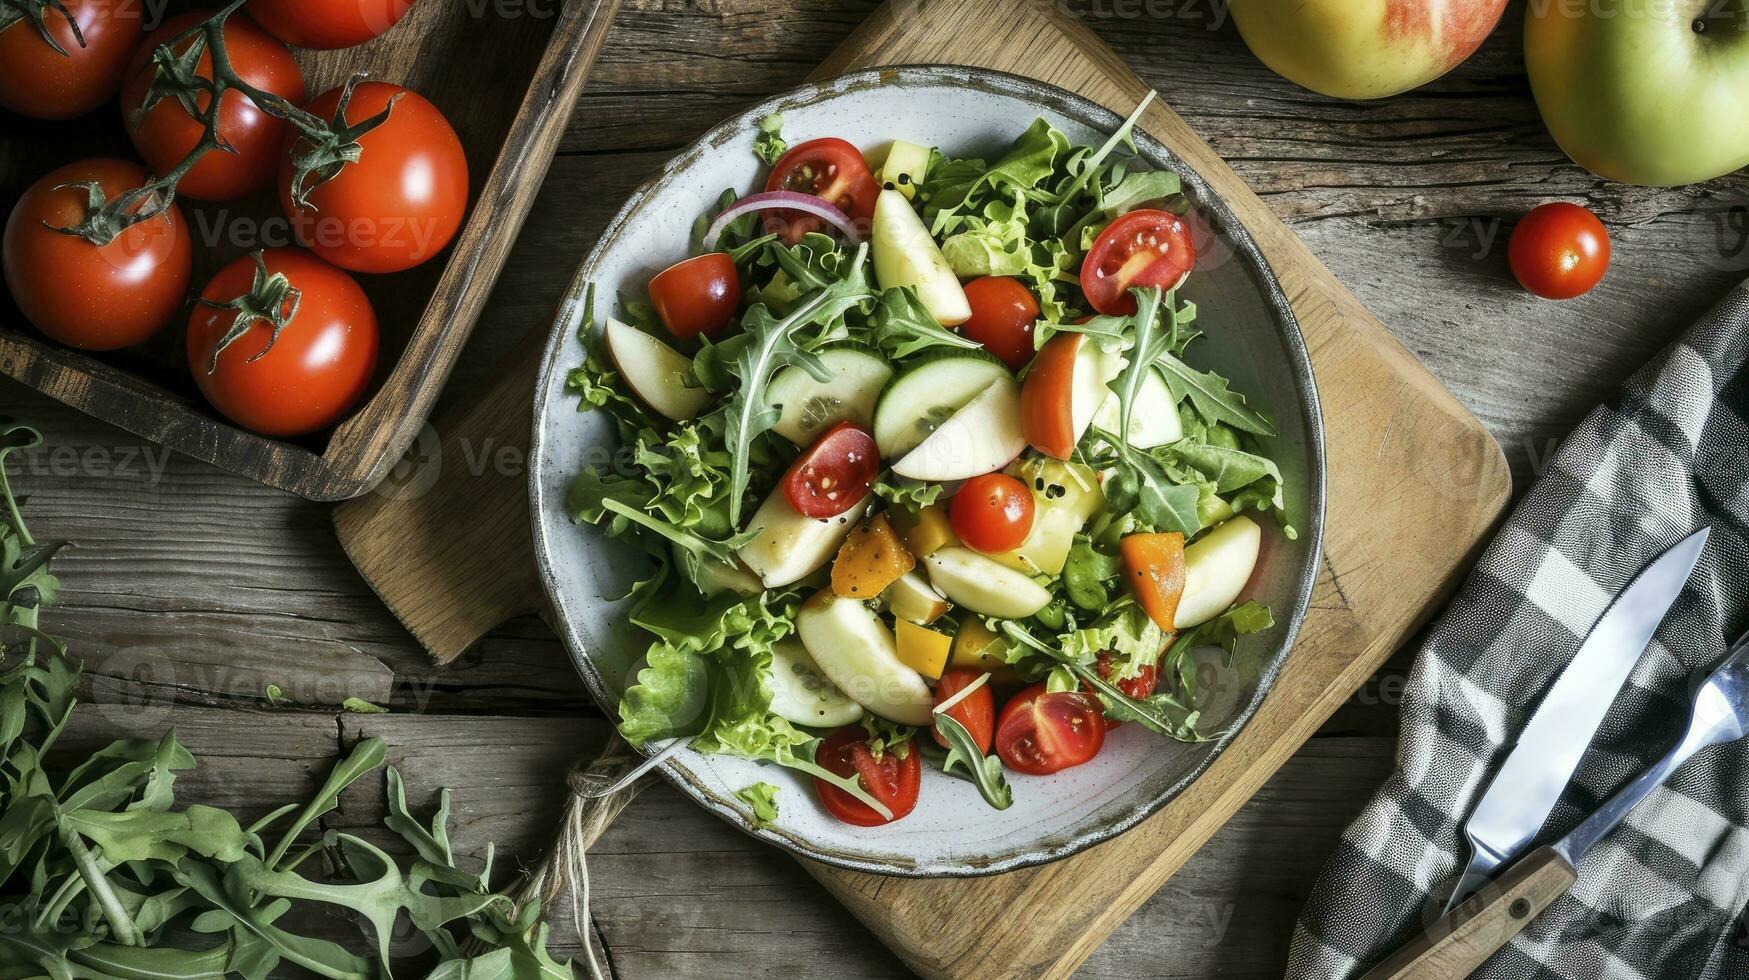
(103, 876)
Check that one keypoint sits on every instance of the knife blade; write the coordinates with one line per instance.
(1523, 792)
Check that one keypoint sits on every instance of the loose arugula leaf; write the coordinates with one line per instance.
(1211, 396)
(762, 798)
(984, 771)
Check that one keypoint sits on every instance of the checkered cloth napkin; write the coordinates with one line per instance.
(1665, 896)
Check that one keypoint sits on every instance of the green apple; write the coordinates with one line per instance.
(1365, 49)
(1644, 91)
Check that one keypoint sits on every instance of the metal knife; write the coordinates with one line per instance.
(1537, 770)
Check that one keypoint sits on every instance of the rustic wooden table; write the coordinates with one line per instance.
(190, 591)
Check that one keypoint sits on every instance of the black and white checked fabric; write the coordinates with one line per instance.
(1665, 896)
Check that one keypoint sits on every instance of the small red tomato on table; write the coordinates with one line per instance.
(327, 24)
(697, 295)
(892, 776)
(1559, 250)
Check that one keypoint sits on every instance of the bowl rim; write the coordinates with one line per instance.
(1065, 103)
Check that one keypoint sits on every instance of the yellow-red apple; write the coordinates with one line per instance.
(1364, 49)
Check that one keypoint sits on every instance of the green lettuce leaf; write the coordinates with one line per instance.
(762, 798)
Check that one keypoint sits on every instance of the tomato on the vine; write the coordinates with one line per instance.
(1559, 250)
(307, 378)
(95, 297)
(327, 24)
(165, 133)
(400, 203)
(1138, 685)
(893, 777)
(697, 295)
(828, 168)
(1041, 732)
(1142, 248)
(992, 513)
(833, 473)
(976, 711)
(1003, 312)
(42, 83)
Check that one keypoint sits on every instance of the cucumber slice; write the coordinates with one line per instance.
(802, 695)
(926, 392)
(809, 406)
(907, 164)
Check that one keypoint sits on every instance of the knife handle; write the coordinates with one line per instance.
(1457, 945)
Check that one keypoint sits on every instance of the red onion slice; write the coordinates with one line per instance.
(785, 201)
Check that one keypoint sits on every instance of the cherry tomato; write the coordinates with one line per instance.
(404, 199)
(992, 513)
(42, 83)
(976, 711)
(1042, 732)
(1559, 250)
(1138, 687)
(327, 24)
(1153, 564)
(1003, 312)
(1142, 248)
(833, 473)
(827, 168)
(309, 377)
(698, 295)
(95, 297)
(166, 133)
(889, 779)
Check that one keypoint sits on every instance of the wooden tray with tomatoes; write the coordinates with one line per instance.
(298, 337)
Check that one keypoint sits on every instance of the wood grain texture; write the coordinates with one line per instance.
(1400, 445)
(1458, 944)
(537, 64)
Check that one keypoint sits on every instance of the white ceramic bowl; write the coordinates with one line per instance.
(1253, 340)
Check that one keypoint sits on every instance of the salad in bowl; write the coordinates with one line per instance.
(925, 470)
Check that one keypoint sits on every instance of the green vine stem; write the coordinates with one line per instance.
(36, 11)
(271, 299)
(331, 143)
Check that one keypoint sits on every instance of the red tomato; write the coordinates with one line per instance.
(1047, 397)
(309, 377)
(698, 295)
(327, 24)
(1153, 564)
(889, 779)
(1138, 687)
(1559, 250)
(95, 297)
(1142, 248)
(992, 513)
(1003, 312)
(976, 711)
(834, 473)
(404, 199)
(1043, 732)
(166, 133)
(827, 168)
(42, 83)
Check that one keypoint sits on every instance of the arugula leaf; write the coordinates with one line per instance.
(762, 798)
(1211, 396)
(768, 142)
(984, 771)
(1144, 349)
(1228, 469)
(1224, 630)
(902, 326)
(1143, 488)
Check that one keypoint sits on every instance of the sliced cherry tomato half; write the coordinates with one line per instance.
(976, 711)
(892, 778)
(1153, 564)
(834, 473)
(1041, 732)
(1003, 312)
(1559, 250)
(1139, 686)
(992, 513)
(697, 295)
(1142, 248)
(828, 168)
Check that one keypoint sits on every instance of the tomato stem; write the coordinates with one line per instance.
(36, 11)
(271, 299)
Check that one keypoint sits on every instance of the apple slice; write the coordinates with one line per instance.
(1064, 389)
(980, 438)
(857, 652)
(1216, 569)
(789, 546)
(654, 371)
(802, 694)
(1153, 422)
(984, 586)
(905, 254)
(913, 598)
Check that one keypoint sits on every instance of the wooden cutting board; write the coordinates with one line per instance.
(1415, 483)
